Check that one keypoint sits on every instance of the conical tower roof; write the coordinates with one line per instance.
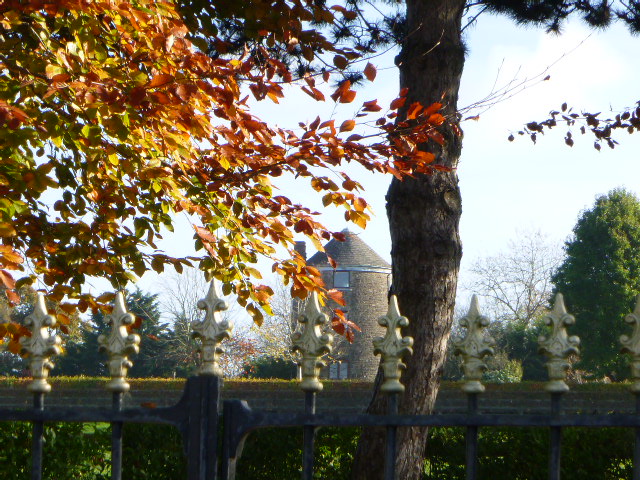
(353, 252)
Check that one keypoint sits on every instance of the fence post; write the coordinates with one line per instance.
(312, 343)
(473, 348)
(203, 391)
(40, 346)
(557, 347)
(118, 345)
(203, 399)
(391, 348)
(631, 345)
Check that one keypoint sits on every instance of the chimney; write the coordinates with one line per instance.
(301, 248)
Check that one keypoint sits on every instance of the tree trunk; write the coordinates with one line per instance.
(424, 214)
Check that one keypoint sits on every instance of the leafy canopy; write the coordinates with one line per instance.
(600, 277)
(113, 119)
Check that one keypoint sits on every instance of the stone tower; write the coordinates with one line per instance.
(364, 279)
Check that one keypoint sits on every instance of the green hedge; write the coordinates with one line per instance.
(82, 452)
(522, 454)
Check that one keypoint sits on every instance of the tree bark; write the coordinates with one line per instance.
(424, 214)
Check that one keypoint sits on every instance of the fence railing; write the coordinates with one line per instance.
(197, 415)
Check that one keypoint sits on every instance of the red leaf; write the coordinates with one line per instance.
(371, 106)
(340, 62)
(370, 72)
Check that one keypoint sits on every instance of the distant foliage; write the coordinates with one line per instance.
(600, 279)
(271, 367)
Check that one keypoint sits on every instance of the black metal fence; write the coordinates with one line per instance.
(213, 450)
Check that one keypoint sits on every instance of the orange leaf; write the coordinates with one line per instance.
(426, 157)
(414, 110)
(397, 103)
(347, 125)
(433, 108)
(336, 296)
(370, 72)
(12, 296)
(344, 86)
(205, 234)
(348, 96)
(159, 80)
(14, 346)
(7, 280)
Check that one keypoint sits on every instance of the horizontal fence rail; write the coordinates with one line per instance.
(213, 452)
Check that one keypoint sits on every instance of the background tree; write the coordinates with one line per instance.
(516, 287)
(516, 284)
(600, 278)
(82, 356)
(181, 293)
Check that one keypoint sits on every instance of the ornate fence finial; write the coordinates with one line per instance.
(40, 346)
(631, 345)
(473, 347)
(392, 347)
(558, 346)
(212, 330)
(119, 344)
(312, 344)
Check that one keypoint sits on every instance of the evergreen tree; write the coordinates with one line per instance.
(84, 358)
(600, 278)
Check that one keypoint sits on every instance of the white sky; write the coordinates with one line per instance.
(506, 187)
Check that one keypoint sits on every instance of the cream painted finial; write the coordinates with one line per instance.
(474, 347)
(40, 346)
(558, 346)
(312, 344)
(392, 347)
(631, 345)
(212, 330)
(119, 344)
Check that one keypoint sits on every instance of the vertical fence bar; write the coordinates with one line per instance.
(116, 439)
(392, 430)
(309, 437)
(37, 442)
(636, 446)
(471, 451)
(473, 347)
(555, 440)
(228, 465)
(202, 440)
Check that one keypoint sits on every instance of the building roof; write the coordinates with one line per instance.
(353, 252)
